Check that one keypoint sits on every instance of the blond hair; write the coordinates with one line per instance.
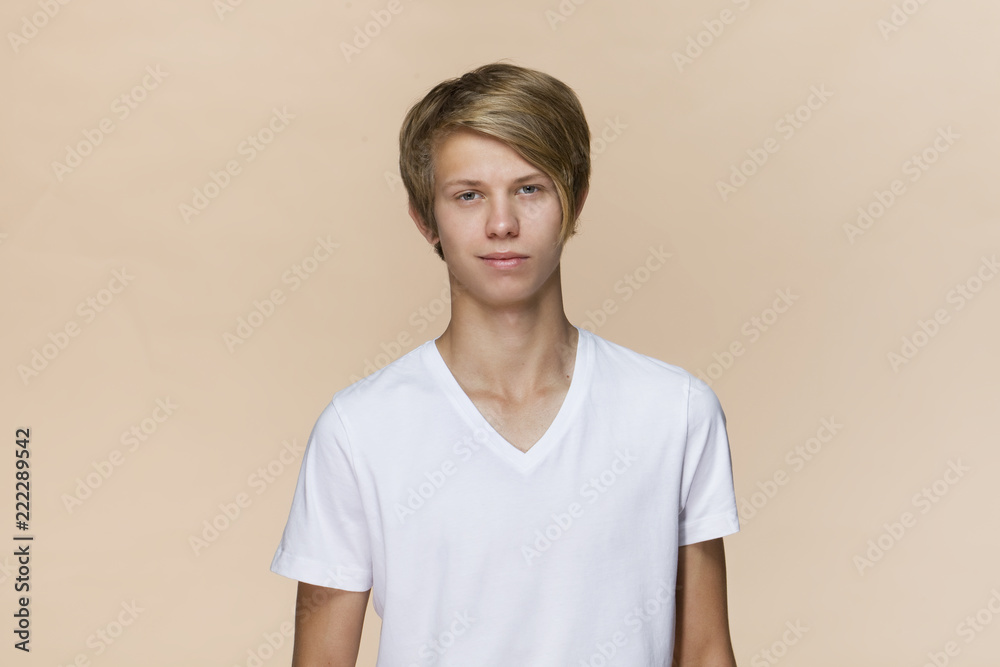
(535, 114)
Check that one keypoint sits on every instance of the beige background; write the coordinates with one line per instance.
(674, 132)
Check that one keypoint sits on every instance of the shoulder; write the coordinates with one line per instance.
(384, 389)
(634, 371)
(703, 403)
(618, 359)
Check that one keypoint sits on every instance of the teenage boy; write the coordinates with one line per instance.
(518, 492)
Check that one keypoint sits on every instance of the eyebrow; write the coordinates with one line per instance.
(474, 183)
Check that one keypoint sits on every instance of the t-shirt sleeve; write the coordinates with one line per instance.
(708, 497)
(326, 539)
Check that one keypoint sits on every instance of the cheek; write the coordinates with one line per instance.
(545, 209)
(453, 227)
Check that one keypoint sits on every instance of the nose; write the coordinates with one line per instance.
(502, 220)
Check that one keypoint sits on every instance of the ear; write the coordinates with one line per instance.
(425, 231)
(582, 199)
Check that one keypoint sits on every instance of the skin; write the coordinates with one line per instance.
(512, 349)
(701, 637)
(508, 343)
(328, 624)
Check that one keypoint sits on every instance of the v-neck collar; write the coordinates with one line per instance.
(523, 461)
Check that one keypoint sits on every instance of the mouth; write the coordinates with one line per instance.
(504, 260)
(503, 255)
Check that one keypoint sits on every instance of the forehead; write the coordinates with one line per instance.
(470, 154)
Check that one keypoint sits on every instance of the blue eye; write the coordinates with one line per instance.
(463, 196)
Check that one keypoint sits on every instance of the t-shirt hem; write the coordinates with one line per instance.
(708, 528)
(310, 571)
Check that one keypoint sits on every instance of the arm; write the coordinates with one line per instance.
(328, 624)
(701, 638)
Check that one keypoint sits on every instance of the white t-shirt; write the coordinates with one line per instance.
(481, 555)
